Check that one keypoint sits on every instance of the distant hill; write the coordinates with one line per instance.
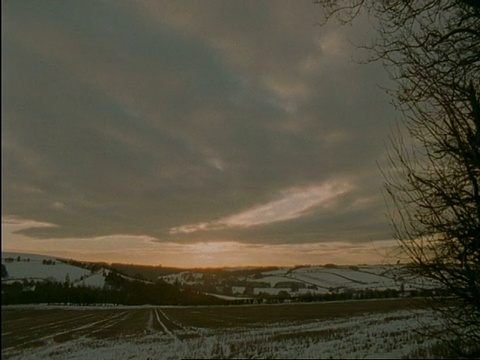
(29, 278)
(31, 267)
(25, 276)
(305, 282)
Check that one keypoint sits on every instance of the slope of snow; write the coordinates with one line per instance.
(296, 281)
(273, 280)
(40, 267)
(185, 278)
(315, 280)
(94, 280)
(334, 278)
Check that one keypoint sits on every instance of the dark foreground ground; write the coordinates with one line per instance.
(210, 331)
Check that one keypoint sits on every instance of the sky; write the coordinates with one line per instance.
(192, 133)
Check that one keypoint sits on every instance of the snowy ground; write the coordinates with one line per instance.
(294, 281)
(315, 280)
(269, 331)
(29, 267)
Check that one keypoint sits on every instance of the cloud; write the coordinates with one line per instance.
(293, 203)
(143, 249)
(13, 222)
(190, 122)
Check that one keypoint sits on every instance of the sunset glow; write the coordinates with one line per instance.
(243, 135)
(145, 250)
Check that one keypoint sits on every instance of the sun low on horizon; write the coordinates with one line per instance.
(134, 132)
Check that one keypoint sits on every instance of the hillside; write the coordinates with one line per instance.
(125, 282)
(28, 278)
(305, 282)
(37, 268)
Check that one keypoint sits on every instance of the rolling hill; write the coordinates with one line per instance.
(135, 284)
(28, 278)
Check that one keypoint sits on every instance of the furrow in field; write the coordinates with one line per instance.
(87, 329)
(160, 322)
(24, 332)
(33, 338)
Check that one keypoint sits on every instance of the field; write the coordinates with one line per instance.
(360, 329)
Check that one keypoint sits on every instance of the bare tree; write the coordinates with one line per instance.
(432, 49)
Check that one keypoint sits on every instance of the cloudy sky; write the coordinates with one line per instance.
(191, 133)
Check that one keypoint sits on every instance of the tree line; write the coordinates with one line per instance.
(117, 290)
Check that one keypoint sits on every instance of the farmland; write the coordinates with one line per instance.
(376, 328)
(29, 278)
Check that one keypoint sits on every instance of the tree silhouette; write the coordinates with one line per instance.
(432, 49)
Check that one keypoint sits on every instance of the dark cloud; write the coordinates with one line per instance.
(141, 117)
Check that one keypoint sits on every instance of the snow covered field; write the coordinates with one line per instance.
(311, 280)
(375, 329)
(298, 281)
(41, 267)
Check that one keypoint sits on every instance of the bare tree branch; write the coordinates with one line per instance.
(432, 49)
